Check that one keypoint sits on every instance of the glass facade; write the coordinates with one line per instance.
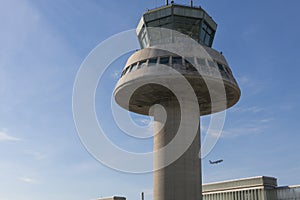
(201, 61)
(143, 37)
(152, 61)
(142, 63)
(134, 67)
(206, 34)
(193, 22)
(164, 60)
(177, 60)
(187, 26)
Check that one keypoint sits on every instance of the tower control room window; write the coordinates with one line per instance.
(211, 63)
(189, 60)
(133, 67)
(142, 63)
(164, 60)
(190, 64)
(144, 37)
(206, 34)
(152, 61)
(177, 60)
(201, 61)
(220, 66)
(127, 70)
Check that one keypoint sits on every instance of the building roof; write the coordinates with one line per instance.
(253, 182)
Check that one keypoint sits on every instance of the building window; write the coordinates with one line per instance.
(123, 72)
(127, 70)
(164, 60)
(206, 34)
(152, 61)
(142, 63)
(177, 60)
(189, 60)
(228, 69)
(201, 61)
(220, 66)
(133, 67)
(144, 37)
(190, 64)
(211, 63)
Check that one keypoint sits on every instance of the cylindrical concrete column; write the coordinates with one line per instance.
(180, 180)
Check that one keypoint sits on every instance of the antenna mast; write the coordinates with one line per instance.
(143, 198)
(192, 4)
(167, 2)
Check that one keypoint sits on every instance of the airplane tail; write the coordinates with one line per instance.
(210, 162)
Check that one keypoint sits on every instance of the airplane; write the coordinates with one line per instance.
(215, 162)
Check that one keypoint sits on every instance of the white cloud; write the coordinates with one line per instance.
(6, 137)
(116, 74)
(236, 131)
(27, 180)
(253, 109)
(266, 120)
(37, 155)
(253, 86)
(243, 80)
(86, 166)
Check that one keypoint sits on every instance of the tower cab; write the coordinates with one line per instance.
(189, 20)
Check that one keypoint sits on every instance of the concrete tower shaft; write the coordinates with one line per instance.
(181, 179)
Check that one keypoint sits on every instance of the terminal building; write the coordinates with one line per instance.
(255, 188)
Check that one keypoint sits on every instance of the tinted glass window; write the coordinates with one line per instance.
(144, 37)
(228, 69)
(127, 70)
(142, 63)
(123, 72)
(164, 60)
(220, 66)
(189, 60)
(152, 61)
(211, 63)
(177, 60)
(201, 61)
(133, 67)
(207, 40)
(202, 35)
(206, 34)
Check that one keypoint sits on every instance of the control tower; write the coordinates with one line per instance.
(205, 70)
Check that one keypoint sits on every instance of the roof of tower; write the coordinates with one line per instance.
(183, 10)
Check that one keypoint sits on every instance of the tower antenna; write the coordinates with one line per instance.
(167, 2)
(192, 3)
(143, 197)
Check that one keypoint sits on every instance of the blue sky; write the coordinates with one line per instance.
(43, 44)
